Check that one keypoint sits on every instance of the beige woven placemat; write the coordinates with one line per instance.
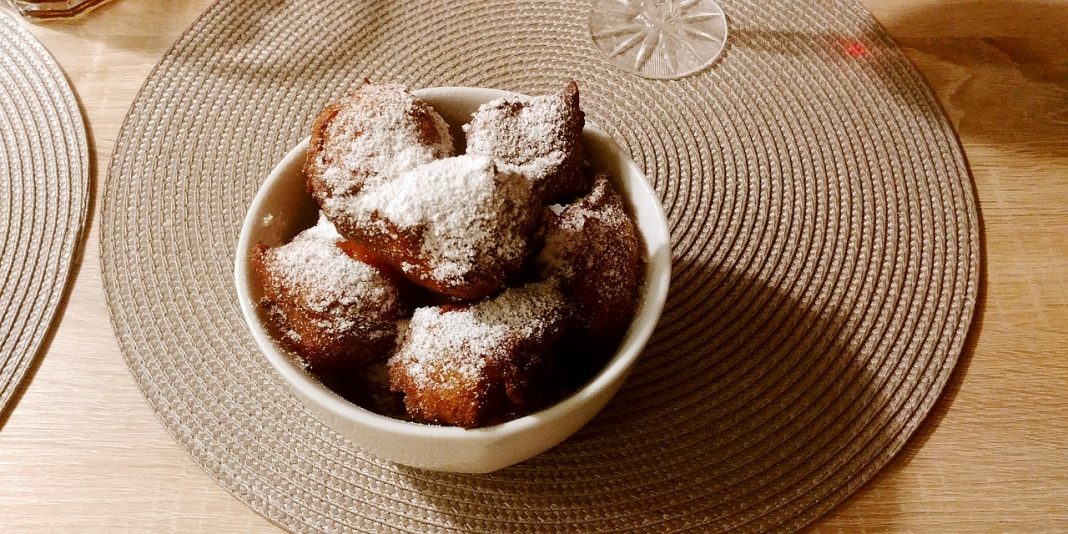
(825, 242)
(44, 192)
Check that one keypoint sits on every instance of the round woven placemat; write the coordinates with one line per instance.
(825, 244)
(44, 192)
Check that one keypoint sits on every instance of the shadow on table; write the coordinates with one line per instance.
(847, 516)
(1003, 67)
(747, 400)
(885, 479)
(998, 67)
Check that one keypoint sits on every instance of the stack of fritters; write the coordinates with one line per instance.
(496, 278)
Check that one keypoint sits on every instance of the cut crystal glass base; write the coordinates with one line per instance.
(661, 39)
(53, 9)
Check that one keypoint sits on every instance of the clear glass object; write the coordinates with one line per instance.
(661, 39)
(54, 9)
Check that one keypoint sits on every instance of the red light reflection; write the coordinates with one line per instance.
(856, 49)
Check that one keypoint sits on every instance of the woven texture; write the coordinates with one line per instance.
(44, 185)
(825, 262)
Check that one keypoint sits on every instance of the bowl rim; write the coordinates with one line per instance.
(612, 373)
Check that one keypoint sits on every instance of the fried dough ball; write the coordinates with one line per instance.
(470, 365)
(334, 310)
(457, 226)
(594, 248)
(370, 136)
(540, 135)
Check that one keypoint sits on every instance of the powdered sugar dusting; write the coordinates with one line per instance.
(595, 250)
(593, 206)
(534, 134)
(451, 347)
(380, 131)
(568, 238)
(328, 279)
(470, 215)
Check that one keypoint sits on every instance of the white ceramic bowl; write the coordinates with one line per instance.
(282, 208)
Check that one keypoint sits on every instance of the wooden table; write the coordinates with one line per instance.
(83, 452)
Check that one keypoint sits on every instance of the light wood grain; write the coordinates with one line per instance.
(82, 451)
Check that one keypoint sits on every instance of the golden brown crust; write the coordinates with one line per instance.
(355, 142)
(401, 248)
(477, 239)
(540, 135)
(455, 366)
(315, 158)
(509, 386)
(341, 335)
(594, 247)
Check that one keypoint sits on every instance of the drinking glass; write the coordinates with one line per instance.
(662, 39)
(52, 9)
